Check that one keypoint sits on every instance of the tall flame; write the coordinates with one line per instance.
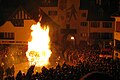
(39, 52)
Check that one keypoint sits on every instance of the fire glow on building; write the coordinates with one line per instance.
(39, 52)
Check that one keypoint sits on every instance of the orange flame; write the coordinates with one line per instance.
(39, 52)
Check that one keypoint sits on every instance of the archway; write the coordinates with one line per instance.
(69, 41)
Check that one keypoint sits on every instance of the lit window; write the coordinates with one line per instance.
(83, 34)
(84, 24)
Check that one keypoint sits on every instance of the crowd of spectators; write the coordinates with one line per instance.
(77, 64)
(64, 72)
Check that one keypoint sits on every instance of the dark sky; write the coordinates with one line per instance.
(12, 3)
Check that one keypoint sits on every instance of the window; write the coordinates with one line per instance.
(62, 4)
(62, 17)
(117, 26)
(100, 12)
(18, 22)
(83, 15)
(102, 36)
(117, 44)
(107, 24)
(98, 2)
(106, 35)
(7, 35)
(94, 35)
(68, 15)
(84, 24)
(95, 24)
(21, 14)
(48, 3)
(18, 19)
(67, 26)
(83, 34)
(52, 13)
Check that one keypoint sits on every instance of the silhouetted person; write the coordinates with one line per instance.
(29, 72)
(12, 70)
(8, 71)
(1, 72)
(19, 75)
(58, 66)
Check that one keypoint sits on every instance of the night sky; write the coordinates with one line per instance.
(10, 6)
(12, 3)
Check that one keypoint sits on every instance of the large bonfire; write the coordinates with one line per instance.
(39, 52)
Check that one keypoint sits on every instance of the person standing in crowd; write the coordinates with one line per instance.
(12, 70)
(8, 71)
(1, 73)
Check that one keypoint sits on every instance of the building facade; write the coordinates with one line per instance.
(86, 21)
(117, 35)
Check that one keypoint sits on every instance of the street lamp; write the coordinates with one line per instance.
(73, 41)
(72, 38)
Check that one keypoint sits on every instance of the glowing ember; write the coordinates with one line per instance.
(38, 53)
